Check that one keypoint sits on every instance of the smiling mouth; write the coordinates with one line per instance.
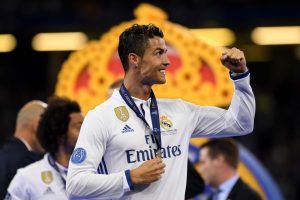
(163, 71)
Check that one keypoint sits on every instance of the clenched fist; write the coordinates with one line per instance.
(234, 60)
(148, 172)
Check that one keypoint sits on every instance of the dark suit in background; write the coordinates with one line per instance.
(242, 191)
(195, 183)
(14, 155)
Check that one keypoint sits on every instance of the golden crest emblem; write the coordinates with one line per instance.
(165, 123)
(47, 177)
(195, 73)
(122, 113)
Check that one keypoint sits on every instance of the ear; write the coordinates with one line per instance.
(133, 59)
(220, 159)
(34, 125)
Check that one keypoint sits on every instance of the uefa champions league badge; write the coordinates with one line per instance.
(78, 156)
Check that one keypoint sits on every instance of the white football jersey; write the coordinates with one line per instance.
(38, 181)
(113, 139)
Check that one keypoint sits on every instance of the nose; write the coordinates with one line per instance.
(166, 61)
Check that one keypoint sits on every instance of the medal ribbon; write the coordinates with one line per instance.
(153, 112)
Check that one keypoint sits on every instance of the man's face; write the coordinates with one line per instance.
(76, 120)
(208, 167)
(154, 63)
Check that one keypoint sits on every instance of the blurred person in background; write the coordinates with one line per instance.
(219, 160)
(195, 184)
(58, 131)
(24, 148)
(134, 146)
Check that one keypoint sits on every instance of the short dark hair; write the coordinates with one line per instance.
(224, 146)
(54, 122)
(135, 40)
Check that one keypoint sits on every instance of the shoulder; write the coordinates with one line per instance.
(104, 112)
(101, 118)
(107, 105)
(171, 103)
(24, 177)
(33, 169)
(97, 114)
(31, 175)
(29, 180)
(177, 105)
(15, 155)
(12, 146)
(241, 190)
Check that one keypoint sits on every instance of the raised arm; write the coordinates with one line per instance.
(239, 118)
(234, 59)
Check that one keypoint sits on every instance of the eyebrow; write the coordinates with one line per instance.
(161, 49)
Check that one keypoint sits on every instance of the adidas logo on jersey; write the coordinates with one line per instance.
(127, 129)
(48, 191)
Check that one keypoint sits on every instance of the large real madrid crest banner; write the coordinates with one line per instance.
(195, 75)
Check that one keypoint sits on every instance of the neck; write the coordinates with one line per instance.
(226, 174)
(30, 137)
(62, 157)
(137, 88)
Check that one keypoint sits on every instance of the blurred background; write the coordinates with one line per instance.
(27, 72)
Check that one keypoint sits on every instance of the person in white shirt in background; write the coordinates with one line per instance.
(134, 146)
(58, 131)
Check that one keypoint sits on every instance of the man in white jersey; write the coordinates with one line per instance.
(195, 183)
(134, 146)
(58, 131)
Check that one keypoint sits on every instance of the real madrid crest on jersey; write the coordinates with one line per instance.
(165, 123)
(47, 177)
(122, 113)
